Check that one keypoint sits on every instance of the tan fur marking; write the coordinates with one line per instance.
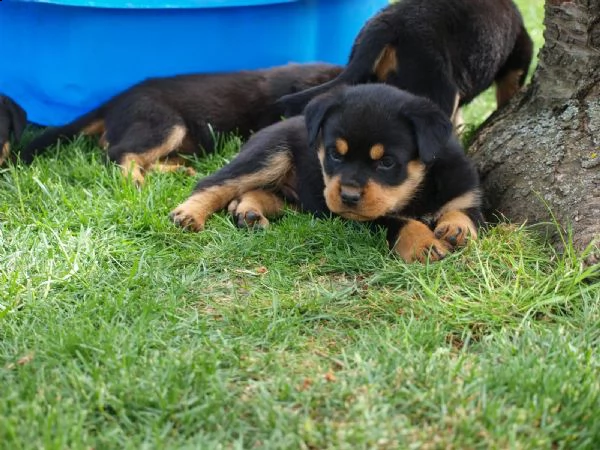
(457, 119)
(103, 143)
(471, 199)
(175, 159)
(376, 152)
(507, 87)
(416, 242)
(456, 105)
(96, 127)
(253, 208)
(172, 166)
(342, 146)
(455, 227)
(136, 163)
(5, 152)
(193, 213)
(386, 63)
(321, 156)
(458, 123)
(376, 200)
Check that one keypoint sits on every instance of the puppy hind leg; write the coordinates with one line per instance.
(144, 145)
(513, 73)
(173, 164)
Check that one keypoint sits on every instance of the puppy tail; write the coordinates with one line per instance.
(371, 49)
(90, 123)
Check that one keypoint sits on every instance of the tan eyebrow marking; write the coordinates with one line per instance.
(376, 152)
(342, 146)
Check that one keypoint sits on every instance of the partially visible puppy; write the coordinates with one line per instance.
(369, 153)
(157, 118)
(13, 119)
(446, 50)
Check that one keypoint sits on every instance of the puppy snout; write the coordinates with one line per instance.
(350, 196)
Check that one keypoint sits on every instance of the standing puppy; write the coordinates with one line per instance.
(160, 117)
(446, 50)
(13, 119)
(370, 153)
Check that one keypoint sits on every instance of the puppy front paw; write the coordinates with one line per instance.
(416, 242)
(455, 228)
(188, 216)
(246, 216)
(427, 249)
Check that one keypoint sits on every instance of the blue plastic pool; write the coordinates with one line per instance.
(61, 58)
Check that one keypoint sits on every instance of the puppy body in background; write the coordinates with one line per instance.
(369, 153)
(160, 117)
(13, 119)
(448, 51)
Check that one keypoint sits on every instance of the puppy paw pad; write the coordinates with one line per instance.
(185, 220)
(251, 219)
(454, 235)
(432, 250)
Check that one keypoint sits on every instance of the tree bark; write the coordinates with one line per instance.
(539, 156)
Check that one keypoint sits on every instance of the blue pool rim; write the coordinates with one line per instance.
(160, 4)
(75, 55)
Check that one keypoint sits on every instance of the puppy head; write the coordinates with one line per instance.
(375, 143)
(12, 119)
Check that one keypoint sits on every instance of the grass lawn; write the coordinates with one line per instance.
(118, 330)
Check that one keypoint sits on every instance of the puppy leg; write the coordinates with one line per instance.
(458, 122)
(257, 166)
(142, 146)
(454, 228)
(4, 151)
(173, 164)
(252, 208)
(513, 73)
(459, 219)
(416, 242)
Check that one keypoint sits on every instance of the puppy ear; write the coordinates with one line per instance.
(316, 112)
(432, 128)
(18, 117)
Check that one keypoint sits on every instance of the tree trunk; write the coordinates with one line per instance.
(540, 155)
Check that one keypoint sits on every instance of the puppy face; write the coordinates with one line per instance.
(374, 143)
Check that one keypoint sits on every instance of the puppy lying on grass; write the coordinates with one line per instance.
(448, 51)
(370, 153)
(13, 119)
(146, 126)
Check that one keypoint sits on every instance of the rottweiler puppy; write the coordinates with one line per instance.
(446, 50)
(13, 119)
(146, 126)
(371, 153)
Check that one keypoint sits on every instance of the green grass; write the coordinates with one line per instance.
(117, 330)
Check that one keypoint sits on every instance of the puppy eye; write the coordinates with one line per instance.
(334, 155)
(386, 163)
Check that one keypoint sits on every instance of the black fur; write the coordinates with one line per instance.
(140, 118)
(443, 48)
(13, 120)
(411, 129)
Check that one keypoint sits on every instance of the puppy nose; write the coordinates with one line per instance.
(350, 197)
